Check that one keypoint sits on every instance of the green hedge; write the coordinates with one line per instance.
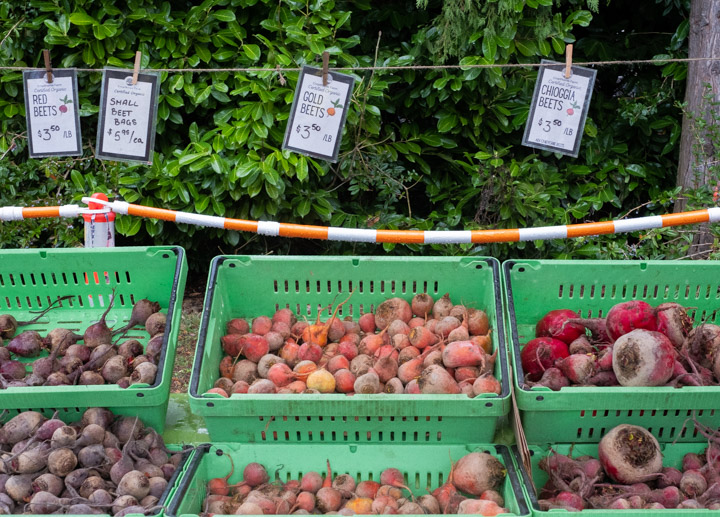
(423, 149)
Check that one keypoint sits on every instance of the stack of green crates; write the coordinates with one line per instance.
(81, 283)
(360, 435)
(580, 416)
(30, 280)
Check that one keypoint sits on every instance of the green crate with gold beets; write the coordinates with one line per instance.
(250, 286)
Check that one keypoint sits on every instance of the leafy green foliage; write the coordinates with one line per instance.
(422, 149)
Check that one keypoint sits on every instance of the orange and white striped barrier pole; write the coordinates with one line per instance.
(276, 229)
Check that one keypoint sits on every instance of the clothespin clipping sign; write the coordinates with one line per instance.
(128, 115)
(136, 68)
(51, 111)
(559, 107)
(48, 66)
(326, 64)
(568, 61)
(318, 113)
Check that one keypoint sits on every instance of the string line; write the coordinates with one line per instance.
(397, 67)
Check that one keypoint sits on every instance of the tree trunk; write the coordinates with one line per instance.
(695, 150)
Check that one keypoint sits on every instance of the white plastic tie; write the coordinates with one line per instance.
(447, 237)
(351, 234)
(200, 219)
(271, 228)
(641, 223)
(69, 210)
(714, 214)
(543, 233)
(11, 213)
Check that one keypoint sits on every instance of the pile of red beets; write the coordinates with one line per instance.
(628, 473)
(635, 344)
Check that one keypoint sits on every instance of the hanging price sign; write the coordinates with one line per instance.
(318, 113)
(51, 112)
(559, 108)
(128, 113)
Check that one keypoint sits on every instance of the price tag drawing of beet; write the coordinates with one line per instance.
(318, 114)
(559, 108)
(53, 121)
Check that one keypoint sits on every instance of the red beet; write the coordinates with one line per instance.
(627, 316)
(26, 344)
(557, 324)
(99, 333)
(541, 353)
(578, 368)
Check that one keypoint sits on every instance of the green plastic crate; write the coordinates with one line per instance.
(32, 279)
(591, 288)
(423, 466)
(672, 457)
(71, 417)
(249, 286)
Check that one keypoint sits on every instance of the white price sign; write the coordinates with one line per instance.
(318, 113)
(51, 112)
(128, 113)
(559, 108)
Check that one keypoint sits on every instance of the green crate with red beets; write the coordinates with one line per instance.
(583, 414)
(672, 457)
(251, 286)
(31, 280)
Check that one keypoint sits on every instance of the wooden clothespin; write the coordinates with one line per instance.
(568, 61)
(48, 66)
(280, 75)
(136, 69)
(326, 63)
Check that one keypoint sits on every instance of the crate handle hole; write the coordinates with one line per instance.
(521, 269)
(488, 404)
(210, 404)
(540, 397)
(140, 394)
(231, 265)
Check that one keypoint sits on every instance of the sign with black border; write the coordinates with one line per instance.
(559, 108)
(128, 114)
(318, 114)
(52, 113)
